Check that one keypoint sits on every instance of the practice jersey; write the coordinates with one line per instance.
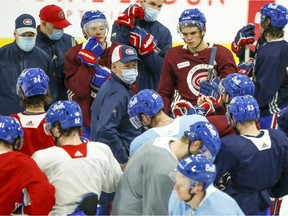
(255, 164)
(271, 68)
(78, 170)
(145, 186)
(19, 173)
(182, 71)
(215, 202)
(35, 137)
(175, 129)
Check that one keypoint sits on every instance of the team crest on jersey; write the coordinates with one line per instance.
(197, 73)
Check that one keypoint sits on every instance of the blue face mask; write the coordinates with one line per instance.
(129, 75)
(56, 34)
(26, 43)
(151, 14)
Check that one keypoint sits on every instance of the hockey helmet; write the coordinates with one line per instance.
(277, 13)
(10, 130)
(147, 102)
(198, 168)
(67, 113)
(90, 17)
(243, 109)
(191, 17)
(236, 85)
(209, 137)
(32, 81)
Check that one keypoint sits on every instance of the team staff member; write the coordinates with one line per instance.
(87, 65)
(15, 58)
(138, 26)
(21, 179)
(184, 66)
(53, 41)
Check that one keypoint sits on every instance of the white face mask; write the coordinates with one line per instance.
(151, 14)
(26, 43)
(129, 75)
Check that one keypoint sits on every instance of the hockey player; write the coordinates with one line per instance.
(232, 85)
(271, 55)
(196, 194)
(147, 109)
(184, 66)
(145, 186)
(24, 187)
(32, 88)
(75, 168)
(137, 26)
(87, 65)
(241, 159)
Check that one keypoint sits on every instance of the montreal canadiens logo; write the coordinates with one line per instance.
(61, 14)
(195, 75)
(27, 22)
(129, 52)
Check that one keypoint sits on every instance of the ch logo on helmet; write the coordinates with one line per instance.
(211, 130)
(133, 101)
(58, 106)
(210, 168)
(236, 80)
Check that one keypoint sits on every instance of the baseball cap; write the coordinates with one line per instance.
(124, 54)
(55, 15)
(25, 23)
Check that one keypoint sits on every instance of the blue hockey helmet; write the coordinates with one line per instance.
(32, 81)
(10, 130)
(243, 109)
(282, 120)
(91, 16)
(198, 168)
(67, 113)
(146, 102)
(191, 17)
(236, 85)
(209, 137)
(277, 13)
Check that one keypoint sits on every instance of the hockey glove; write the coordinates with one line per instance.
(181, 108)
(90, 51)
(128, 16)
(100, 76)
(246, 68)
(244, 36)
(139, 38)
(210, 89)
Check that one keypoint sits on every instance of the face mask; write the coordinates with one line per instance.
(151, 14)
(26, 43)
(129, 75)
(56, 34)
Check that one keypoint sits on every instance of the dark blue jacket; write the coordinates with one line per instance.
(150, 67)
(56, 50)
(13, 61)
(110, 122)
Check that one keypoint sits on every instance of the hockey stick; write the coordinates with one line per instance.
(275, 207)
(211, 64)
(247, 53)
